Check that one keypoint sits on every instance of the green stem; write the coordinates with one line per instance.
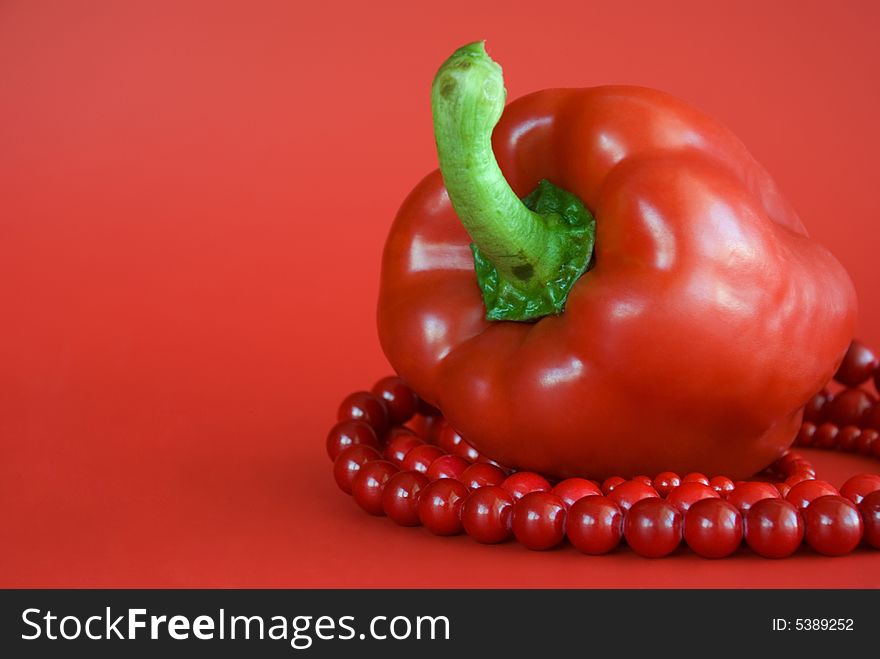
(524, 254)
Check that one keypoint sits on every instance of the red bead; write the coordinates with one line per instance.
(806, 434)
(400, 400)
(652, 527)
(866, 441)
(793, 465)
(400, 445)
(721, 484)
(349, 462)
(628, 493)
(495, 463)
(430, 427)
(833, 525)
(826, 435)
(788, 458)
(665, 482)
(644, 479)
(349, 433)
(857, 366)
(466, 451)
(858, 487)
(782, 488)
(447, 466)
(687, 494)
(610, 483)
(870, 509)
(366, 407)
(524, 482)
(784, 464)
(574, 489)
(417, 426)
(448, 438)
(369, 482)
(801, 494)
(773, 528)
(396, 431)
(420, 458)
(799, 477)
(746, 495)
(400, 497)
(695, 477)
(847, 437)
(594, 524)
(713, 528)
(814, 409)
(486, 514)
(538, 520)
(482, 474)
(871, 419)
(440, 504)
(849, 407)
(799, 466)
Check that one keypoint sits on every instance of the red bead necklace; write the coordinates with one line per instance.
(426, 474)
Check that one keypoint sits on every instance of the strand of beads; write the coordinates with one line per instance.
(425, 473)
(848, 420)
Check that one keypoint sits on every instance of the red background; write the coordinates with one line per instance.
(193, 202)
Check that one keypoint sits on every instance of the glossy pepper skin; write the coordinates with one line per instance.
(707, 321)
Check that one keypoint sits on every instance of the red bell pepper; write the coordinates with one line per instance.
(683, 328)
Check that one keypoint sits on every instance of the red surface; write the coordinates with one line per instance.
(193, 200)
